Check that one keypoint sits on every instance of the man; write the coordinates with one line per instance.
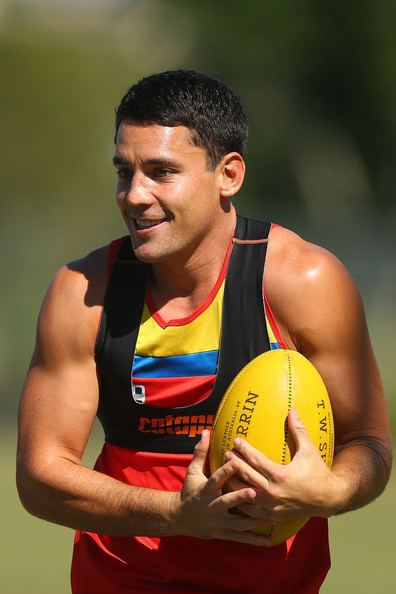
(179, 307)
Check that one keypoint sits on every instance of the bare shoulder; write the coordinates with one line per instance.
(307, 286)
(83, 277)
(301, 259)
(72, 306)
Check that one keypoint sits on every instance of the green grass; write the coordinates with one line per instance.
(36, 555)
(363, 548)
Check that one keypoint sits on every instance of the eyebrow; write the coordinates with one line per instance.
(117, 160)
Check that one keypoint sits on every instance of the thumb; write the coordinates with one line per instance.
(298, 430)
(201, 450)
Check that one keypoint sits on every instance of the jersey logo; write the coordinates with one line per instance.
(138, 393)
(189, 425)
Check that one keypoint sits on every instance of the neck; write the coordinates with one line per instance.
(183, 285)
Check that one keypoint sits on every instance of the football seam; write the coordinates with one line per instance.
(271, 530)
(289, 404)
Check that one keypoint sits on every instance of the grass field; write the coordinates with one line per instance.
(36, 555)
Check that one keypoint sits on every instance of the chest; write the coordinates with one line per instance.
(188, 366)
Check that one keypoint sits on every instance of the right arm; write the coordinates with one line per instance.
(57, 410)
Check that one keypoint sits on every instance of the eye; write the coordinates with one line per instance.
(124, 173)
(162, 172)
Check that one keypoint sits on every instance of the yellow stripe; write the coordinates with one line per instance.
(271, 335)
(202, 334)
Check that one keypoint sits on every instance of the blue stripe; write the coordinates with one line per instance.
(194, 364)
(274, 346)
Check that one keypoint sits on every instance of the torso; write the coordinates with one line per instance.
(143, 559)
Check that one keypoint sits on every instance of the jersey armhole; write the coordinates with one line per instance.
(114, 247)
(275, 336)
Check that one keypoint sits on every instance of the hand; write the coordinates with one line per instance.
(203, 511)
(305, 487)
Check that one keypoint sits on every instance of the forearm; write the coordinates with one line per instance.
(77, 497)
(362, 468)
(306, 486)
(71, 495)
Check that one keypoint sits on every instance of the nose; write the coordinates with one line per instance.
(137, 193)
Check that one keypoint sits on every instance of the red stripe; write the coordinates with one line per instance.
(270, 315)
(273, 324)
(179, 391)
(113, 251)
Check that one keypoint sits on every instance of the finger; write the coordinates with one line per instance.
(234, 519)
(234, 484)
(234, 499)
(256, 459)
(197, 463)
(240, 523)
(248, 474)
(257, 512)
(298, 430)
(219, 478)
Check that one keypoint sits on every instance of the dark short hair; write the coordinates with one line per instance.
(211, 111)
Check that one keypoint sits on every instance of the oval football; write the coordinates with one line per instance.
(255, 407)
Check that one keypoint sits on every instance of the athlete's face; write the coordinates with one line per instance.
(168, 196)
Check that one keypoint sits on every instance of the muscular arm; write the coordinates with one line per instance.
(345, 359)
(57, 410)
(58, 407)
(327, 324)
(321, 315)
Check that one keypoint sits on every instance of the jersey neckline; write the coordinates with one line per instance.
(200, 309)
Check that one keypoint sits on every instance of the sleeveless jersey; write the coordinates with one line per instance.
(160, 387)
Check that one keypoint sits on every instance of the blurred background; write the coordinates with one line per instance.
(318, 80)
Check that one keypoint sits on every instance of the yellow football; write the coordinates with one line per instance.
(255, 407)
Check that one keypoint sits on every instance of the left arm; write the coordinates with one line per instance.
(321, 314)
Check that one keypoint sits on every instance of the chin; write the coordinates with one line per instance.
(157, 254)
(148, 256)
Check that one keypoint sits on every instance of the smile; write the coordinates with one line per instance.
(147, 223)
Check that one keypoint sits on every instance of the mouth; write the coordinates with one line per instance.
(142, 224)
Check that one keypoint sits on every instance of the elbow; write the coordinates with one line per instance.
(30, 490)
(384, 455)
(388, 462)
(24, 488)
(377, 458)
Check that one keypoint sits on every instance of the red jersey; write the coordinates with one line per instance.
(179, 565)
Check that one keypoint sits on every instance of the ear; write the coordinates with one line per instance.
(232, 173)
